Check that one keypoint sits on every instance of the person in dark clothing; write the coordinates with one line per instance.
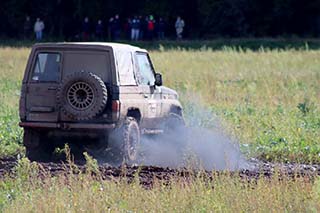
(110, 29)
(85, 29)
(161, 28)
(27, 28)
(116, 27)
(143, 27)
(99, 30)
(135, 29)
(127, 28)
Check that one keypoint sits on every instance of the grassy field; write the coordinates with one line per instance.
(268, 99)
(82, 193)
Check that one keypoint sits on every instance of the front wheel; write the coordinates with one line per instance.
(173, 123)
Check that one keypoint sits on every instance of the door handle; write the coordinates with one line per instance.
(52, 88)
(144, 95)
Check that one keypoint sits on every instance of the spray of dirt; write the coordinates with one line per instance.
(194, 147)
(201, 144)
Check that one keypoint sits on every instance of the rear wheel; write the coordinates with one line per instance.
(38, 148)
(130, 140)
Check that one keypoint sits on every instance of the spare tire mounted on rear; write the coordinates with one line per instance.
(82, 95)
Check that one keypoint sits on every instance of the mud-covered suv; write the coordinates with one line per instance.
(83, 92)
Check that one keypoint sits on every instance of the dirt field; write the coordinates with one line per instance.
(148, 174)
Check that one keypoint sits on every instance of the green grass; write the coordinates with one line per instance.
(268, 99)
(12, 64)
(76, 193)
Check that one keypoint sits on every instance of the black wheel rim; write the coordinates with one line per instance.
(80, 96)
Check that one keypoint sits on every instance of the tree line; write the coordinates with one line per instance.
(203, 18)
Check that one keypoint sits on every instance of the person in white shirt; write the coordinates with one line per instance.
(179, 27)
(38, 28)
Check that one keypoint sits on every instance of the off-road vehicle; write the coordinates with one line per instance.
(84, 92)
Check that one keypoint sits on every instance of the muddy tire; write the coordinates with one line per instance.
(130, 140)
(38, 148)
(82, 95)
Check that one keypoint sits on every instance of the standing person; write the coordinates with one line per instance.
(141, 28)
(116, 27)
(135, 29)
(85, 29)
(144, 28)
(27, 28)
(161, 28)
(127, 28)
(110, 29)
(179, 27)
(99, 30)
(38, 29)
(151, 26)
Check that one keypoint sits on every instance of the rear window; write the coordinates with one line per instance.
(47, 67)
(97, 63)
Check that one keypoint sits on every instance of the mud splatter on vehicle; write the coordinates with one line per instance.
(83, 93)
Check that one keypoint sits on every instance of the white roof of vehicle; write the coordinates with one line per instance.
(117, 47)
(114, 46)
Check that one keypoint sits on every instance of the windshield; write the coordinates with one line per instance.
(146, 76)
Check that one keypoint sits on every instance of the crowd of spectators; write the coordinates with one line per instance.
(134, 28)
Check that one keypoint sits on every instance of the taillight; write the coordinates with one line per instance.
(115, 106)
(115, 110)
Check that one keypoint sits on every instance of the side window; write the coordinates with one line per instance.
(47, 67)
(145, 72)
(125, 68)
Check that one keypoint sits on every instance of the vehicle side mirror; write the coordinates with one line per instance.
(158, 81)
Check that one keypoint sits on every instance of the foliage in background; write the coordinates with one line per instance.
(204, 18)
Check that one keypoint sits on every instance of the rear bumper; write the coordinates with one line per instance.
(67, 126)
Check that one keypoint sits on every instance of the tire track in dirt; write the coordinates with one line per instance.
(149, 174)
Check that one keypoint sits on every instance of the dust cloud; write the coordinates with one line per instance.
(192, 147)
(201, 144)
